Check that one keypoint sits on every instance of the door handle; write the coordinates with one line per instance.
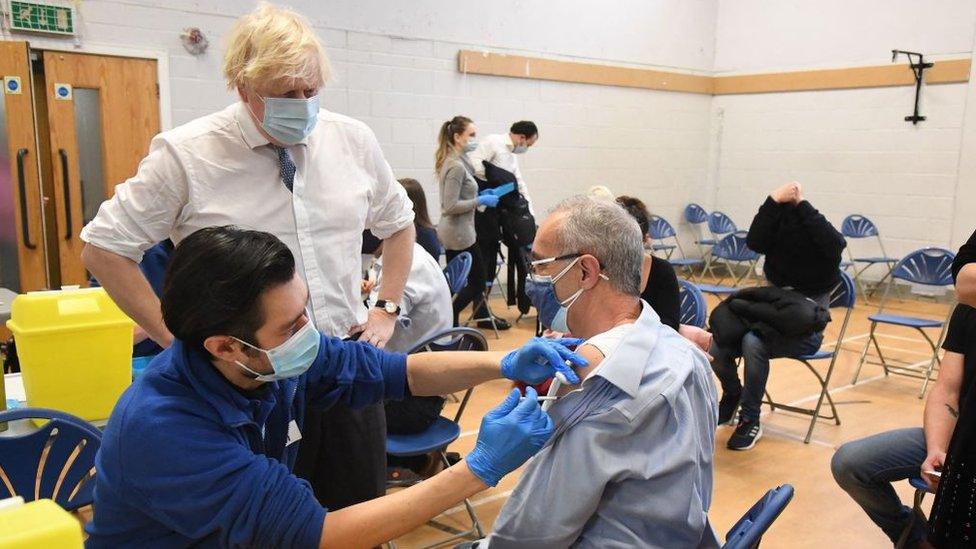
(24, 225)
(66, 187)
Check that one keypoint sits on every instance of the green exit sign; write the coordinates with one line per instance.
(41, 17)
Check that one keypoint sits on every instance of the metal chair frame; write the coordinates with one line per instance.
(475, 342)
(661, 230)
(907, 269)
(843, 295)
(857, 226)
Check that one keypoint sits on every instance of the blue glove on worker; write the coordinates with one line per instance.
(487, 198)
(542, 358)
(502, 190)
(510, 434)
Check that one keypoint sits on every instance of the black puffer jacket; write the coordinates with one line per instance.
(771, 312)
(802, 248)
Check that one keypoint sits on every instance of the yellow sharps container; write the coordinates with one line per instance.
(75, 350)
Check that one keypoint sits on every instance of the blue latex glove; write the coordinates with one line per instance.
(510, 434)
(487, 198)
(542, 358)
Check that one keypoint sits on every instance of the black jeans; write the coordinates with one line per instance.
(474, 291)
(756, 354)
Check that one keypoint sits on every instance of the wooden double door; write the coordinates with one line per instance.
(72, 126)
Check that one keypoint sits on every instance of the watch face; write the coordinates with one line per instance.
(390, 307)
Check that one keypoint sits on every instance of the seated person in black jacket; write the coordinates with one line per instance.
(803, 252)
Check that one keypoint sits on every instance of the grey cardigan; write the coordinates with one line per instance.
(459, 199)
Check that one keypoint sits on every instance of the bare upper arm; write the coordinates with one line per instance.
(593, 356)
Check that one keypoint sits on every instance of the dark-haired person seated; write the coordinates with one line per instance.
(426, 231)
(659, 283)
(200, 449)
(802, 253)
(866, 468)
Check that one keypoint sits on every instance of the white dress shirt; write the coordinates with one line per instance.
(426, 308)
(220, 170)
(497, 149)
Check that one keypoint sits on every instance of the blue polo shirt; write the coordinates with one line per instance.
(189, 459)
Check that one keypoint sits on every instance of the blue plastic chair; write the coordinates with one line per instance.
(918, 514)
(720, 224)
(732, 249)
(749, 530)
(444, 431)
(844, 295)
(927, 267)
(35, 462)
(692, 309)
(456, 273)
(662, 231)
(856, 226)
(697, 217)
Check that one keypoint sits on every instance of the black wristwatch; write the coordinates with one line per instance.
(390, 307)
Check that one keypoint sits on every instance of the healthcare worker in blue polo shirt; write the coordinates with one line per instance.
(199, 450)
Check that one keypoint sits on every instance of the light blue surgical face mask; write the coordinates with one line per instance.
(290, 120)
(293, 357)
(553, 312)
(519, 149)
(471, 145)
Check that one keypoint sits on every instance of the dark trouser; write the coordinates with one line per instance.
(866, 468)
(343, 454)
(489, 254)
(413, 414)
(475, 289)
(756, 354)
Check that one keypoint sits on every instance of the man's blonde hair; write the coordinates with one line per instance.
(273, 44)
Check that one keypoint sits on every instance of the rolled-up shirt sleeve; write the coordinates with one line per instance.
(356, 374)
(390, 210)
(145, 208)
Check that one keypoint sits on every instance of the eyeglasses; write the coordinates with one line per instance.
(534, 265)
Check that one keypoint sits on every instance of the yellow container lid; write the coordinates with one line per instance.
(39, 524)
(68, 309)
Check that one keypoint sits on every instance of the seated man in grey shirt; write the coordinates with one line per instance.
(630, 463)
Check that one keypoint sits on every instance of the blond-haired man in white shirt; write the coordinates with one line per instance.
(276, 162)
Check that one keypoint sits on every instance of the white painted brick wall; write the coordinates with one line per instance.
(853, 152)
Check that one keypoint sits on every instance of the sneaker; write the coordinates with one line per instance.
(500, 323)
(727, 406)
(746, 434)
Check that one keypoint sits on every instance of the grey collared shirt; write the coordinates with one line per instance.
(630, 463)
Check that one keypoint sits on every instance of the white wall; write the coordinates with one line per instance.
(396, 69)
(851, 149)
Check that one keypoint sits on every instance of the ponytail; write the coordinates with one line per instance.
(445, 139)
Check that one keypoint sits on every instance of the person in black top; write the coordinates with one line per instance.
(803, 252)
(660, 282)
(964, 272)
(866, 468)
(426, 232)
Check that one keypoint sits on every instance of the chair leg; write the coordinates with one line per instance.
(931, 366)
(769, 398)
(824, 393)
(877, 346)
(864, 355)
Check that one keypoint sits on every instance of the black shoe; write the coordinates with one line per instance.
(727, 406)
(746, 435)
(500, 324)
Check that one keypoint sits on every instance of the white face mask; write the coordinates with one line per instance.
(471, 145)
(519, 149)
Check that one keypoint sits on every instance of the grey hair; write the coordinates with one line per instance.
(603, 229)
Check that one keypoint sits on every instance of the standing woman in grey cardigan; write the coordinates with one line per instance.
(459, 199)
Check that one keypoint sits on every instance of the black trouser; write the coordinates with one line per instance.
(489, 254)
(343, 454)
(474, 291)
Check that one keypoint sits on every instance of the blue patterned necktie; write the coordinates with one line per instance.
(287, 167)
